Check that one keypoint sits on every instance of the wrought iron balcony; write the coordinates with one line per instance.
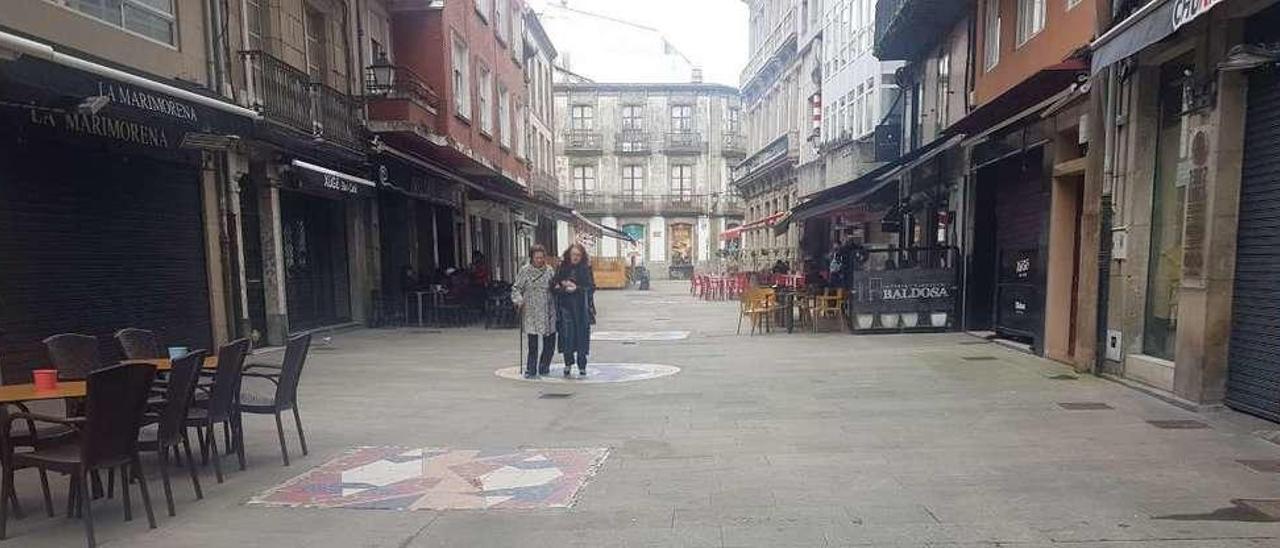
(906, 29)
(287, 96)
(785, 146)
(544, 185)
(684, 142)
(583, 141)
(406, 104)
(733, 145)
(632, 141)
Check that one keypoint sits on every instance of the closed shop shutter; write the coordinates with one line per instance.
(1020, 204)
(1253, 374)
(93, 241)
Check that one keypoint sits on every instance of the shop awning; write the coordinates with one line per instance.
(1043, 84)
(1151, 23)
(606, 231)
(317, 178)
(852, 192)
(732, 233)
(497, 190)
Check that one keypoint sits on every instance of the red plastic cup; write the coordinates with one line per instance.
(46, 379)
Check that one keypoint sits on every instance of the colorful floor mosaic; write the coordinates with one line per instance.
(639, 336)
(405, 478)
(597, 373)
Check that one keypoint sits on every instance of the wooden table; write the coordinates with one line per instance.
(18, 393)
(165, 364)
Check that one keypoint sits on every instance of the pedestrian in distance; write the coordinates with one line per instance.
(531, 293)
(574, 287)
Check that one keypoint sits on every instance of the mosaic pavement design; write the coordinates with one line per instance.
(597, 373)
(407, 478)
(639, 336)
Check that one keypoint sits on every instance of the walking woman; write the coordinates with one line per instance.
(574, 287)
(531, 291)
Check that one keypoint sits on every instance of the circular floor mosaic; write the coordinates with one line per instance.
(597, 373)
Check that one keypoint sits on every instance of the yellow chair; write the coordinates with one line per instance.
(758, 304)
(829, 305)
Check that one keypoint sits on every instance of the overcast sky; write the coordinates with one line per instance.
(712, 33)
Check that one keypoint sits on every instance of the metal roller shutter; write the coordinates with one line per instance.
(1253, 374)
(91, 242)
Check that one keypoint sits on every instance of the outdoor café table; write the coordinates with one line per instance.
(165, 364)
(786, 307)
(19, 393)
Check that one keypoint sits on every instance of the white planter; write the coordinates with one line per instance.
(938, 319)
(910, 319)
(866, 321)
(889, 321)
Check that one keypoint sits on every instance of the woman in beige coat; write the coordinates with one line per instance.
(531, 291)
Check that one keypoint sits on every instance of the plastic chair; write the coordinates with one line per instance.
(170, 429)
(285, 379)
(140, 344)
(73, 355)
(220, 406)
(116, 398)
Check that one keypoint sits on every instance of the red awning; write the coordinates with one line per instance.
(765, 222)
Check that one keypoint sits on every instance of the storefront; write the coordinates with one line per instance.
(420, 212)
(105, 208)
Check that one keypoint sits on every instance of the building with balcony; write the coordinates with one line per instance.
(780, 88)
(651, 160)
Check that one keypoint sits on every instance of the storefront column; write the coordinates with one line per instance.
(273, 269)
(609, 246)
(213, 240)
(1209, 245)
(562, 237)
(362, 252)
(238, 170)
(704, 239)
(657, 239)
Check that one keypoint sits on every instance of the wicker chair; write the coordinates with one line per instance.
(169, 430)
(285, 379)
(140, 344)
(73, 355)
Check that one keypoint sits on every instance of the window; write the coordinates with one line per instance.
(518, 129)
(255, 25)
(735, 120)
(379, 30)
(858, 112)
(682, 118)
(486, 100)
(944, 90)
(991, 36)
(316, 53)
(500, 23)
(633, 117)
(584, 179)
(1030, 19)
(504, 117)
(582, 117)
(869, 122)
(461, 77)
(682, 180)
(632, 182)
(153, 19)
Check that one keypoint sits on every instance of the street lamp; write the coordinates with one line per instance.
(382, 74)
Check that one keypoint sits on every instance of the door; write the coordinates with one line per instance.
(1020, 205)
(1253, 370)
(315, 250)
(93, 240)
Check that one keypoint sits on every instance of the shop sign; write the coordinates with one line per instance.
(414, 183)
(908, 290)
(102, 126)
(1193, 231)
(1185, 11)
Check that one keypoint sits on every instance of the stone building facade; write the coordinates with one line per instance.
(652, 160)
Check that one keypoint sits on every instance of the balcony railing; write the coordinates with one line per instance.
(583, 141)
(544, 185)
(405, 84)
(632, 141)
(288, 96)
(734, 145)
(608, 203)
(685, 142)
(785, 29)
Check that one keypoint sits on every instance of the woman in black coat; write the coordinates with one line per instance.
(574, 287)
